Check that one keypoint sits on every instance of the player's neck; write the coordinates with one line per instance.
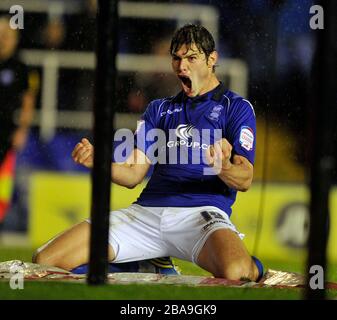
(211, 84)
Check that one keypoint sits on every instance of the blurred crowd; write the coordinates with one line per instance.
(270, 38)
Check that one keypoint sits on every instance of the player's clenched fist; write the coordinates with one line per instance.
(219, 155)
(83, 153)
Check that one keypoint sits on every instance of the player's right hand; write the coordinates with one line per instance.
(219, 155)
(83, 153)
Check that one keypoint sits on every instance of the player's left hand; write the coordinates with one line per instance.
(219, 155)
(83, 153)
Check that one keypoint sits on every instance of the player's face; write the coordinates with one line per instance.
(193, 69)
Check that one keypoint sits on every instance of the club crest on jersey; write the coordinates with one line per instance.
(184, 131)
(246, 138)
(215, 113)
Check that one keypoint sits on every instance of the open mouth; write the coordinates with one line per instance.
(186, 81)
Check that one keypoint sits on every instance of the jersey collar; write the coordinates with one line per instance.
(215, 94)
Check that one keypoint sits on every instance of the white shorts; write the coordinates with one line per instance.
(140, 233)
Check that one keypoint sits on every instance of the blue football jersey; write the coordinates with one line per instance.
(175, 132)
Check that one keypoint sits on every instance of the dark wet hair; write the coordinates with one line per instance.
(192, 33)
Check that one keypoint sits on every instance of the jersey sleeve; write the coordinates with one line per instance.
(146, 123)
(241, 129)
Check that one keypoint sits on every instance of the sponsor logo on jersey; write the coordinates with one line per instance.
(194, 144)
(215, 113)
(246, 138)
(184, 131)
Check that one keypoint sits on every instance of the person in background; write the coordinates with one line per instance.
(17, 101)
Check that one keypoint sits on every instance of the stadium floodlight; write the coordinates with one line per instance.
(105, 88)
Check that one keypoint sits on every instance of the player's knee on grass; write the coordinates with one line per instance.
(34, 257)
(41, 257)
(241, 269)
(37, 257)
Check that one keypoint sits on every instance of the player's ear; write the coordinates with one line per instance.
(212, 59)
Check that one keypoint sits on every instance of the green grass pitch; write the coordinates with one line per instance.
(58, 290)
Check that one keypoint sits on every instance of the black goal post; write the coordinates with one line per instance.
(321, 144)
(104, 101)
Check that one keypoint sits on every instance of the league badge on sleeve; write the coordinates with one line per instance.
(247, 138)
